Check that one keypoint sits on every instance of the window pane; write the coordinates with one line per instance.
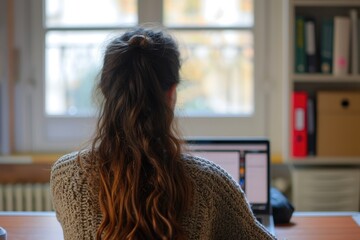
(217, 72)
(80, 13)
(237, 13)
(72, 63)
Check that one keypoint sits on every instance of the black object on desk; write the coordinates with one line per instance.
(282, 209)
(2, 234)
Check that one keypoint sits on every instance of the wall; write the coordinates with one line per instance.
(24, 87)
(4, 98)
(276, 50)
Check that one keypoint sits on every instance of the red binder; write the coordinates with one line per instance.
(299, 124)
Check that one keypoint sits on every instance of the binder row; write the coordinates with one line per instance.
(329, 45)
(326, 124)
(303, 125)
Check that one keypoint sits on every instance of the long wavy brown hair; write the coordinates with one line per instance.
(143, 188)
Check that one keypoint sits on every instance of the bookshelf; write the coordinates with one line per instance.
(345, 167)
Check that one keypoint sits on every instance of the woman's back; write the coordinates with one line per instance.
(218, 210)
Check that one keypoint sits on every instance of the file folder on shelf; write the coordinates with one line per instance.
(299, 124)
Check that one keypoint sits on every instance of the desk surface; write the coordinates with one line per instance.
(320, 226)
(31, 226)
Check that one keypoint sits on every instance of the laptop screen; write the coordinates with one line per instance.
(246, 161)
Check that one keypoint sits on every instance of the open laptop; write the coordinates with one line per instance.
(248, 163)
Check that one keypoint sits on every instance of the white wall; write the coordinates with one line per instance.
(276, 49)
(4, 97)
(24, 79)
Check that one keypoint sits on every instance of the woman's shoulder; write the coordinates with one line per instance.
(199, 167)
(70, 161)
(213, 186)
(198, 163)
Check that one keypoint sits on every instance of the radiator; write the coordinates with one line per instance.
(25, 197)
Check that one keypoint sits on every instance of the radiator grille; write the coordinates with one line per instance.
(25, 197)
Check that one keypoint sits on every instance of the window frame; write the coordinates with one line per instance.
(57, 133)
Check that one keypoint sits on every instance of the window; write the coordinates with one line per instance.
(219, 87)
(216, 40)
(73, 49)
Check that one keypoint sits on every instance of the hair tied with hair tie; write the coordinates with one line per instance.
(139, 41)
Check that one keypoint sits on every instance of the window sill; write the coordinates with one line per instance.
(30, 158)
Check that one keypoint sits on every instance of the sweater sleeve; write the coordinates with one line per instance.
(233, 216)
(72, 200)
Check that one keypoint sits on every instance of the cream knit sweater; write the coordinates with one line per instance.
(219, 209)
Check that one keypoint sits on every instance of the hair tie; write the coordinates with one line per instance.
(139, 41)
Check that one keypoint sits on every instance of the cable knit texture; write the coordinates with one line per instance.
(219, 209)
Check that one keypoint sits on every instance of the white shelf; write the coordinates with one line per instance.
(327, 3)
(318, 171)
(319, 77)
(317, 81)
(324, 161)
